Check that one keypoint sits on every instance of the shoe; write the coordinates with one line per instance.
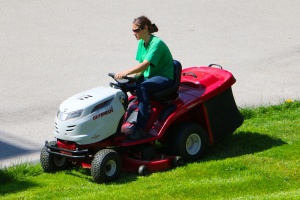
(136, 133)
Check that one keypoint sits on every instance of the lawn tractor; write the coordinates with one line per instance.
(92, 127)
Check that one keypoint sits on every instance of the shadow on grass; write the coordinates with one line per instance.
(10, 185)
(125, 178)
(241, 143)
(80, 172)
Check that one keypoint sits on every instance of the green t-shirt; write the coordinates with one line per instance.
(159, 55)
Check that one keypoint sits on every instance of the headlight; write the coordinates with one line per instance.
(67, 116)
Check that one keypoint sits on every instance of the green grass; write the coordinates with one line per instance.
(259, 161)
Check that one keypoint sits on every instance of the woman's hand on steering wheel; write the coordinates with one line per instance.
(120, 75)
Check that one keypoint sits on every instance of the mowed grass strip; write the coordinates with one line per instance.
(259, 161)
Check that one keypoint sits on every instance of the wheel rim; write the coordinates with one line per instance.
(193, 144)
(59, 160)
(110, 168)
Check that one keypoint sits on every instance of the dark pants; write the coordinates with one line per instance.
(144, 89)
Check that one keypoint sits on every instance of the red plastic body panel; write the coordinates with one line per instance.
(208, 81)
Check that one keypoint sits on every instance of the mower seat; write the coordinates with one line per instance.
(170, 91)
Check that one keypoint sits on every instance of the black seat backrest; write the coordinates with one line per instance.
(174, 88)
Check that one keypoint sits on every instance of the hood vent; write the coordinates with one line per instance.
(85, 97)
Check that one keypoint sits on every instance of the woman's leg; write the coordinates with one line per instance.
(143, 92)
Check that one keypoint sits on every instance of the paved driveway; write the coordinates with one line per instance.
(50, 50)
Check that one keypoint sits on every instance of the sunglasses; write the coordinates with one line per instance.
(137, 30)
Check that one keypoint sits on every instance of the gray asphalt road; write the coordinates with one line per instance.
(50, 50)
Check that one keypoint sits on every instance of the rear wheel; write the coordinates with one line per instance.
(190, 141)
(106, 166)
(52, 162)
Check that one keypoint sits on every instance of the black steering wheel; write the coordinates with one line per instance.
(124, 80)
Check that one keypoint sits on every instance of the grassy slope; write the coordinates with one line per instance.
(260, 161)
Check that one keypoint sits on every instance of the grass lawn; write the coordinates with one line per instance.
(261, 160)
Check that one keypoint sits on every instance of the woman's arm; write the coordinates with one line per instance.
(136, 69)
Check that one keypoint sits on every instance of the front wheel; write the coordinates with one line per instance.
(190, 141)
(106, 166)
(52, 162)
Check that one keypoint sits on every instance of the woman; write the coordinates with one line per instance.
(156, 66)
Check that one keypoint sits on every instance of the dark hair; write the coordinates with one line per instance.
(143, 21)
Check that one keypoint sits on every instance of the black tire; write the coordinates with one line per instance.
(106, 166)
(143, 170)
(51, 162)
(178, 161)
(189, 141)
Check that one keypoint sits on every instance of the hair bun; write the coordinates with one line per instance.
(153, 28)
